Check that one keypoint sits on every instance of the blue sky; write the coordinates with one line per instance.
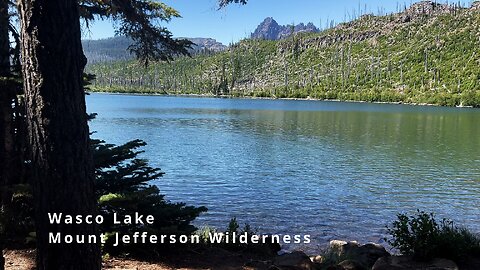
(200, 18)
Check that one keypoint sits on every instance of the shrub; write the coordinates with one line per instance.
(413, 235)
(456, 243)
(423, 237)
(122, 184)
(234, 233)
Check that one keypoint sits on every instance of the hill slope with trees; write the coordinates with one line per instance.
(428, 53)
(116, 48)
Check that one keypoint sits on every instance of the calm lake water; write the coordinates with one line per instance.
(330, 169)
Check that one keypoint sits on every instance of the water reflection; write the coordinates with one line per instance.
(333, 170)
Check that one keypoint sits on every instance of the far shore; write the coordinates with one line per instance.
(268, 98)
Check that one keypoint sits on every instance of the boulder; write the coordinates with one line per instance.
(296, 259)
(369, 253)
(366, 254)
(408, 263)
(341, 247)
(337, 244)
(317, 259)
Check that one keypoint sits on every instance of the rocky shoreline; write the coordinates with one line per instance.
(343, 255)
(340, 255)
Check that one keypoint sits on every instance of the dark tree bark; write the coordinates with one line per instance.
(4, 113)
(4, 73)
(4, 42)
(52, 65)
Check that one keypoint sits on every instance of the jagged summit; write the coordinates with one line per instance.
(269, 29)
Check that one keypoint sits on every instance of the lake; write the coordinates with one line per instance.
(333, 170)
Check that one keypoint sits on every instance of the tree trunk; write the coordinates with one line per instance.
(53, 64)
(4, 42)
(4, 73)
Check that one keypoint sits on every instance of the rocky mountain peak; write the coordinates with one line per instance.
(269, 29)
(269, 21)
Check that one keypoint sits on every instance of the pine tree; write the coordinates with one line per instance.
(55, 106)
(224, 3)
(123, 183)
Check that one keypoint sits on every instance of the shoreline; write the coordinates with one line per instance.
(274, 98)
(339, 255)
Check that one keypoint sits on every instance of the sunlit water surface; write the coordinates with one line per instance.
(333, 170)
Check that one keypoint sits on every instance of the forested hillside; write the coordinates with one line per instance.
(107, 50)
(116, 48)
(429, 53)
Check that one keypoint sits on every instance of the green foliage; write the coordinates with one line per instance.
(139, 20)
(224, 3)
(456, 243)
(236, 239)
(123, 186)
(204, 234)
(428, 60)
(16, 218)
(122, 183)
(233, 230)
(423, 237)
(233, 226)
(414, 235)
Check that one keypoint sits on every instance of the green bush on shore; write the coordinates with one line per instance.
(425, 238)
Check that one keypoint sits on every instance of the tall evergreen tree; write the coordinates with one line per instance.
(8, 89)
(4, 72)
(52, 68)
(53, 64)
(58, 135)
(4, 42)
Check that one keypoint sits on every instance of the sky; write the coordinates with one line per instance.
(200, 18)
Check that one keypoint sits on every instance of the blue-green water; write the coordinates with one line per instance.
(330, 169)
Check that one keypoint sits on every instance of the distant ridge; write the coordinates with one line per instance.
(426, 53)
(269, 29)
(116, 48)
